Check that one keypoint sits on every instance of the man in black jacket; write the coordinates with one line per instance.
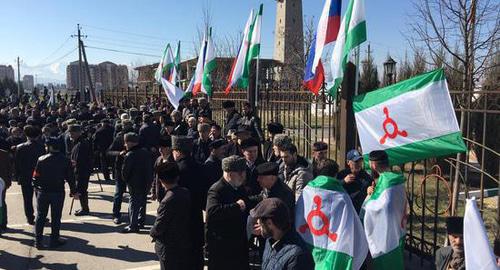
(272, 187)
(213, 165)
(273, 129)
(227, 212)
(250, 149)
(149, 134)
(232, 116)
(117, 152)
(170, 231)
(355, 179)
(138, 174)
(201, 149)
(27, 155)
(191, 178)
(103, 138)
(49, 175)
(81, 158)
(252, 121)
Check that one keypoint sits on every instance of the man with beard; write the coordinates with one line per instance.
(284, 248)
(81, 155)
(319, 153)
(191, 178)
(232, 116)
(355, 179)
(295, 170)
(252, 121)
(452, 257)
(227, 212)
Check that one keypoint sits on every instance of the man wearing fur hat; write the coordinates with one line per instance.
(452, 257)
(227, 212)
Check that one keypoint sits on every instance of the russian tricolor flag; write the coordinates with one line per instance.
(328, 28)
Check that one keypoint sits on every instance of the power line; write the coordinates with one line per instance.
(54, 61)
(54, 52)
(150, 49)
(123, 32)
(121, 51)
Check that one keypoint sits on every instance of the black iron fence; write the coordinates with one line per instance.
(308, 118)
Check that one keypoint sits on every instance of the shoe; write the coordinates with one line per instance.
(140, 226)
(117, 221)
(57, 243)
(31, 222)
(81, 212)
(129, 230)
(39, 245)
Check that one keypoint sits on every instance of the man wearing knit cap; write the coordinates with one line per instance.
(273, 129)
(227, 212)
(452, 256)
(190, 177)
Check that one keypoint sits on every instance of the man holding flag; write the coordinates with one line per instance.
(384, 214)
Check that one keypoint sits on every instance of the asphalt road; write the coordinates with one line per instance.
(93, 242)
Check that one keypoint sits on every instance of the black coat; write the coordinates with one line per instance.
(137, 169)
(226, 227)
(171, 226)
(212, 169)
(356, 189)
(231, 122)
(282, 191)
(51, 171)
(191, 177)
(103, 138)
(27, 155)
(201, 151)
(252, 186)
(114, 150)
(149, 135)
(81, 156)
(253, 122)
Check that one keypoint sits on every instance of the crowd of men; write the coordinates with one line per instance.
(223, 188)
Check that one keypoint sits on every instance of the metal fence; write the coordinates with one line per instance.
(308, 118)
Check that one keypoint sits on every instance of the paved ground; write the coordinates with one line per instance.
(94, 242)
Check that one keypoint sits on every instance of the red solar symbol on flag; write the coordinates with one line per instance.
(326, 222)
(395, 131)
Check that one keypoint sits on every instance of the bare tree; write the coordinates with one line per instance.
(470, 25)
(405, 69)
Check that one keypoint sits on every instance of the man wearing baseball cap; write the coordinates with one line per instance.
(284, 248)
(355, 179)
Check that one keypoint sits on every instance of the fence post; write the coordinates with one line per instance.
(347, 122)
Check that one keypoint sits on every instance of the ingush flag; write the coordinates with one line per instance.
(384, 217)
(411, 120)
(327, 221)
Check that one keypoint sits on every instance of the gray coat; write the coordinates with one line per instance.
(298, 177)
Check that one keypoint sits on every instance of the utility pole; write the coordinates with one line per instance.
(80, 77)
(18, 79)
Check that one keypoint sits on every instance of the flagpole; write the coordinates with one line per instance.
(357, 57)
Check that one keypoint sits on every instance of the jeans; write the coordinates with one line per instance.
(137, 208)
(27, 190)
(120, 187)
(43, 200)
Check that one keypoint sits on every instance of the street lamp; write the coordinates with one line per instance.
(389, 69)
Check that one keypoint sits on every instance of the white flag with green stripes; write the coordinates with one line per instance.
(411, 120)
(327, 221)
(384, 218)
